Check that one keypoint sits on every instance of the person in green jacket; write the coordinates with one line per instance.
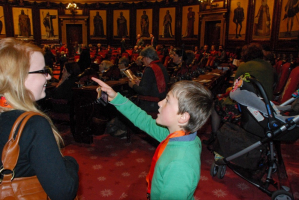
(175, 168)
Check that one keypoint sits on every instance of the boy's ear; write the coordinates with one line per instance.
(184, 118)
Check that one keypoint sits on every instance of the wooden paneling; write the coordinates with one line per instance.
(275, 42)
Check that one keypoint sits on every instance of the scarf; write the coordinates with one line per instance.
(157, 155)
(159, 76)
(3, 102)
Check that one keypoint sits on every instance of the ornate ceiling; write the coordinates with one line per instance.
(94, 1)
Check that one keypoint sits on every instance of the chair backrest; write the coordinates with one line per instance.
(102, 54)
(283, 77)
(125, 54)
(197, 57)
(166, 60)
(161, 57)
(92, 54)
(77, 57)
(291, 85)
(134, 56)
(130, 51)
(278, 66)
(53, 52)
(98, 59)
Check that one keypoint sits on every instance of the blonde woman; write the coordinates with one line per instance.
(109, 70)
(23, 80)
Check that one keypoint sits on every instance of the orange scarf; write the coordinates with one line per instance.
(157, 155)
(3, 102)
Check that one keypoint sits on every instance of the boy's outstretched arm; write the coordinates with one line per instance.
(106, 88)
(137, 116)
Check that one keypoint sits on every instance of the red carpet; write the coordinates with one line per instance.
(112, 169)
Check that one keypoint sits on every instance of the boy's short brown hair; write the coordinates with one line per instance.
(194, 99)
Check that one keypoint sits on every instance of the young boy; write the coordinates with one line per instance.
(175, 168)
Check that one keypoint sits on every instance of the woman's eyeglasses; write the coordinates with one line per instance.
(43, 71)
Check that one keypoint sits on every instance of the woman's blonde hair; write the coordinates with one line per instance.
(14, 67)
(106, 64)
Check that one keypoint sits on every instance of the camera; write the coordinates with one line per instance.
(102, 97)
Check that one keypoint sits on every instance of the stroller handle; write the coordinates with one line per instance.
(288, 101)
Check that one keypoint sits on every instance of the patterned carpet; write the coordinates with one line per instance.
(112, 169)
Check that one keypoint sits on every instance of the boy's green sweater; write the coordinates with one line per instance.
(177, 171)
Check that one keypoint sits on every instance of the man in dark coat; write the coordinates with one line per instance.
(238, 19)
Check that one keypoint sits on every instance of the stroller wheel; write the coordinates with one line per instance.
(282, 195)
(214, 169)
(221, 171)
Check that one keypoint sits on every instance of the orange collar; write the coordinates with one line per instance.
(157, 155)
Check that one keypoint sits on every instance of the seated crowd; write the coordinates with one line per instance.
(108, 63)
(163, 82)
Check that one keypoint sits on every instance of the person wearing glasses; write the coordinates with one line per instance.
(23, 81)
(153, 85)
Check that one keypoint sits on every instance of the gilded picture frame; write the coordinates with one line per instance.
(144, 22)
(49, 24)
(2, 23)
(190, 21)
(289, 23)
(121, 23)
(167, 23)
(238, 19)
(22, 20)
(263, 18)
(98, 23)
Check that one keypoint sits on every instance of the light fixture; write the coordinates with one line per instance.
(72, 7)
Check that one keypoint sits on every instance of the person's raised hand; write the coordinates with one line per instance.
(106, 88)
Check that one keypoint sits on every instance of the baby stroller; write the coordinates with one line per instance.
(253, 151)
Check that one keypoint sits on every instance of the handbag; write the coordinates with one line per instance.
(24, 188)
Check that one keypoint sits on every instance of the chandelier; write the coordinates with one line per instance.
(206, 1)
(72, 7)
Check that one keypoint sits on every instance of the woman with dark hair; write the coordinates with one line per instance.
(179, 58)
(84, 60)
(262, 70)
(255, 65)
(64, 87)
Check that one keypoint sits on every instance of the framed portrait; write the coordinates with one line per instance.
(121, 23)
(98, 23)
(263, 17)
(237, 19)
(22, 20)
(289, 24)
(167, 23)
(190, 21)
(144, 22)
(49, 24)
(2, 23)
